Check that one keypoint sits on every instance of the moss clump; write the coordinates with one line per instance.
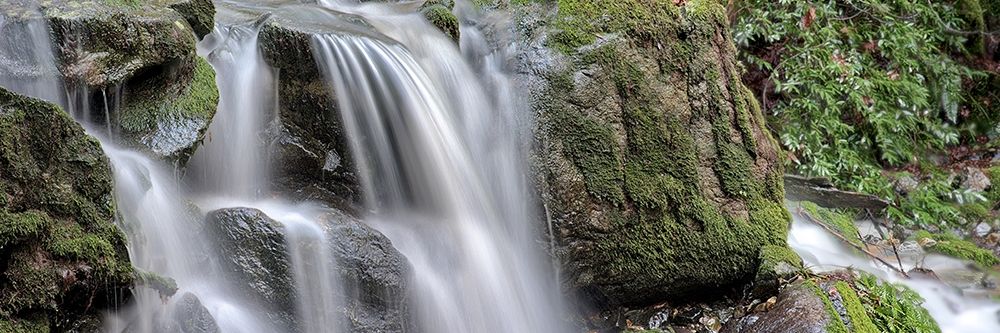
(200, 14)
(22, 226)
(955, 247)
(162, 284)
(859, 320)
(36, 325)
(993, 193)
(198, 101)
(839, 222)
(579, 22)
(441, 17)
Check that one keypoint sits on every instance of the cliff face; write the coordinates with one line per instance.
(659, 176)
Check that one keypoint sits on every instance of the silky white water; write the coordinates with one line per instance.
(437, 143)
(953, 311)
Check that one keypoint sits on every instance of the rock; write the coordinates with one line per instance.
(983, 229)
(255, 253)
(374, 272)
(133, 69)
(905, 184)
(192, 317)
(63, 260)
(974, 179)
(797, 310)
(652, 157)
(823, 193)
(777, 264)
(200, 14)
(308, 128)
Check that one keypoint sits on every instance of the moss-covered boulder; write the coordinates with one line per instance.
(62, 258)
(130, 67)
(659, 176)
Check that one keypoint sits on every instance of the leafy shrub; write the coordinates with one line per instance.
(855, 87)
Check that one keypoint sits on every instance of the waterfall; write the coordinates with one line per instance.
(436, 141)
(232, 161)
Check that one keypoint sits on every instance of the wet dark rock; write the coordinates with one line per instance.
(373, 272)
(192, 317)
(308, 130)
(254, 251)
(797, 310)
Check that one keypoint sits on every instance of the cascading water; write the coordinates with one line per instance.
(442, 167)
(953, 311)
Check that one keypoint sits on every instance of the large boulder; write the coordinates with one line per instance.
(374, 274)
(131, 68)
(659, 177)
(62, 258)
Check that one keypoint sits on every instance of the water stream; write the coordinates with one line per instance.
(956, 311)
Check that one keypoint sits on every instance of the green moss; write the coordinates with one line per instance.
(69, 241)
(677, 120)
(442, 18)
(198, 101)
(162, 284)
(843, 224)
(579, 22)
(36, 325)
(859, 320)
(29, 283)
(971, 12)
(955, 247)
(993, 193)
(772, 255)
(589, 143)
(835, 325)
(19, 227)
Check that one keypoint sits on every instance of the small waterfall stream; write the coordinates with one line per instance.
(953, 311)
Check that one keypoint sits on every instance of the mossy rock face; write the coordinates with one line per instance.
(659, 175)
(63, 259)
(130, 68)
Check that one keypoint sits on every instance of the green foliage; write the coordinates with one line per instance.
(893, 308)
(959, 248)
(860, 86)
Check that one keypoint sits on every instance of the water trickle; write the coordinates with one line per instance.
(437, 142)
(232, 161)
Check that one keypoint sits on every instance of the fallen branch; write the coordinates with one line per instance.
(821, 192)
(810, 218)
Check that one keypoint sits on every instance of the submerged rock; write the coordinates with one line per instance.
(660, 178)
(62, 259)
(373, 272)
